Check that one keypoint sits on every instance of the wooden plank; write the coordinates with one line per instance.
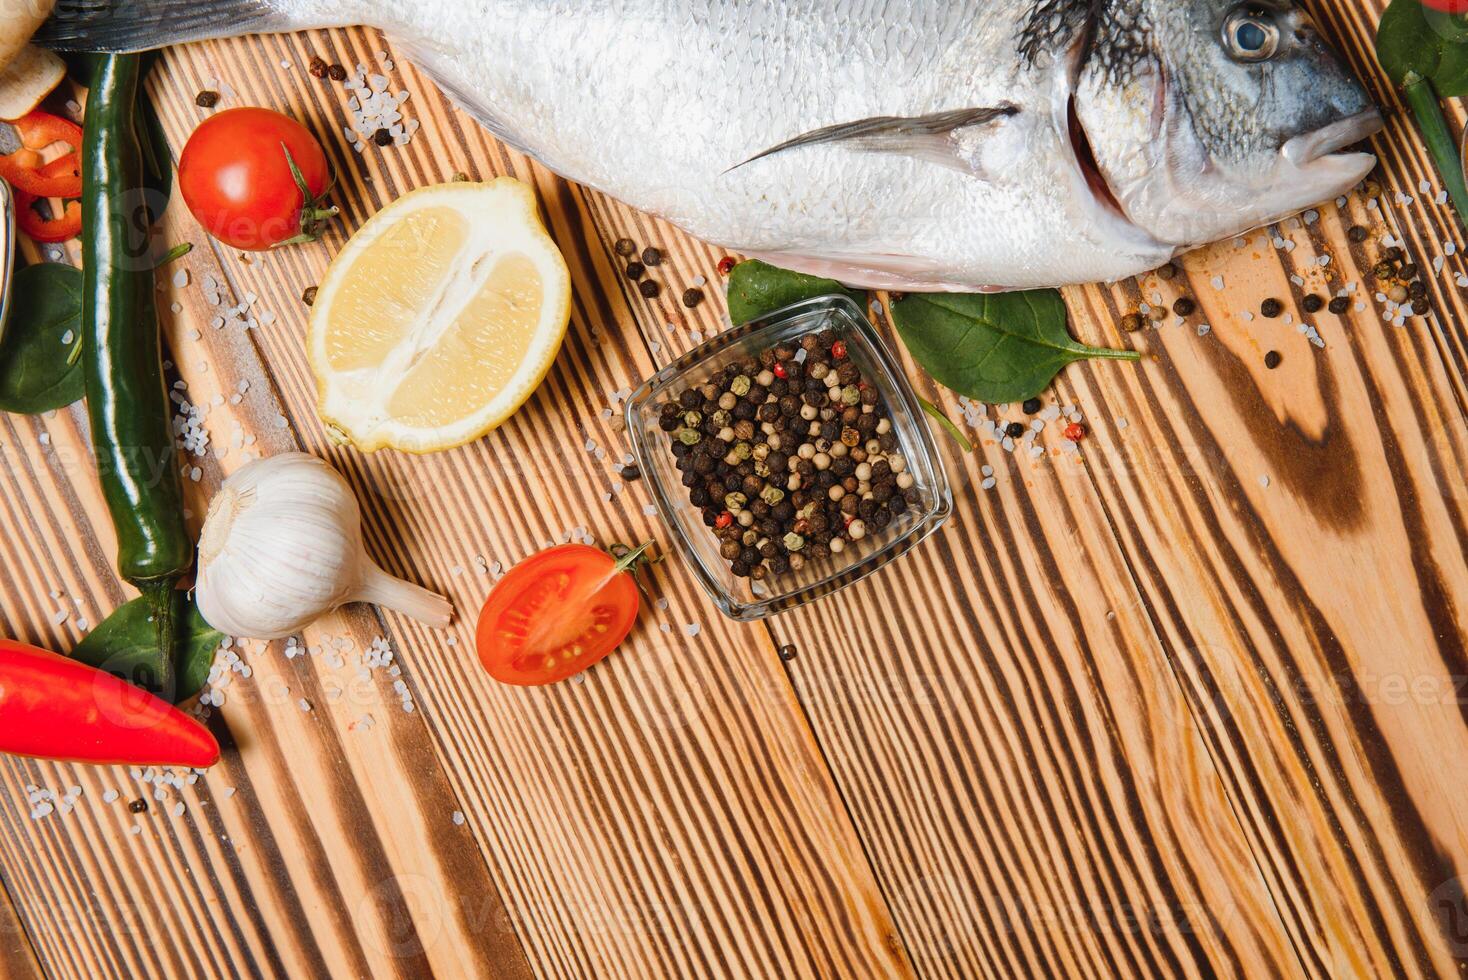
(17, 958)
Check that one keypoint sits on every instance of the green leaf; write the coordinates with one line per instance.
(757, 288)
(995, 347)
(126, 644)
(37, 373)
(1405, 43)
(1414, 40)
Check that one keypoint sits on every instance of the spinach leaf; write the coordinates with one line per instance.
(1413, 40)
(37, 369)
(995, 347)
(757, 288)
(126, 644)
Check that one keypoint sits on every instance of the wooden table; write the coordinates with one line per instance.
(1188, 702)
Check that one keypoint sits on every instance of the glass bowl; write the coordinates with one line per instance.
(742, 598)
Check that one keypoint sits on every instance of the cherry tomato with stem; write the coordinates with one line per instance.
(557, 613)
(255, 179)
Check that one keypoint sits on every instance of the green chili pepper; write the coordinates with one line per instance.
(127, 400)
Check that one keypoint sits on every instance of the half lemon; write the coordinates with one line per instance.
(439, 318)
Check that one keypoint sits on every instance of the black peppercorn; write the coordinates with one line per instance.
(1014, 430)
(382, 137)
(138, 806)
(1271, 308)
(206, 100)
(692, 297)
(309, 296)
(787, 652)
(1272, 359)
(651, 257)
(336, 73)
(1184, 306)
(1312, 303)
(1031, 406)
(625, 247)
(1357, 234)
(739, 568)
(649, 289)
(1339, 305)
(1410, 271)
(1167, 272)
(635, 270)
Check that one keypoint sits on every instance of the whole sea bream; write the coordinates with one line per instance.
(909, 144)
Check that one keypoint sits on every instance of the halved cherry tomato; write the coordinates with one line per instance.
(52, 230)
(24, 170)
(557, 613)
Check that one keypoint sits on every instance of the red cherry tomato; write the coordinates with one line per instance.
(557, 613)
(235, 175)
(1447, 6)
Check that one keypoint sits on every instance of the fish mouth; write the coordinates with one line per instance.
(1309, 147)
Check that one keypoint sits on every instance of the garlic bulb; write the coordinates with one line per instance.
(282, 546)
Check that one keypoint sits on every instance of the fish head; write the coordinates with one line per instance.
(1205, 118)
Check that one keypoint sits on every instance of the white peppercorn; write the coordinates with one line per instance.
(765, 378)
(836, 492)
(837, 546)
(884, 426)
(898, 464)
(863, 472)
(808, 412)
(856, 530)
(905, 481)
(821, 460)
(807, 451)
(838, 450)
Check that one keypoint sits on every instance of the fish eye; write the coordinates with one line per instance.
(1251, 34)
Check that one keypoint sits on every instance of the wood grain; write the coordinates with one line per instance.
(1185, 702)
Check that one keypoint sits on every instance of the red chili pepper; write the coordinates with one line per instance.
(726, 265)
(779, 370)
(724, 520)
(1075, 432)
(24, 170)
(838, 350)
(55, 708)
(51, 230)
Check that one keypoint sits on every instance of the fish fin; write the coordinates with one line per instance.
(902, 273)
(925, 137)
(140, 25)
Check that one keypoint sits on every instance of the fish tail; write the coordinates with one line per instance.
(139, 25)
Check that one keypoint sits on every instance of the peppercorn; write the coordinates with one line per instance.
(1272, 359)
(739, 568)
(1184, 306)
(649, 289)
(1410, 271)
(1394, 254)
(1075, 432)
(1167, 272)
(631, 473)
(1014, 430)
(1417, 289)
(838, 350)
(382, 137)
(1271, 308)
(1383, 270)
(1357, 234)
(138, 806)
(730, 550)
(309, 296)
(317, 67)
(1030, 407)
(206, 100)
(625, 247)
(336, 73)
(787, 652)
(1339, 305)
(1312, 303)
(651, 257)
(1397, 294)
(635, 270)
(1133, 322)
(692, 297)
(726, 265)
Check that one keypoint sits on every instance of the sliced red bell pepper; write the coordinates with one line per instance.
(55, 708)
(24, 170)
(51, 230)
